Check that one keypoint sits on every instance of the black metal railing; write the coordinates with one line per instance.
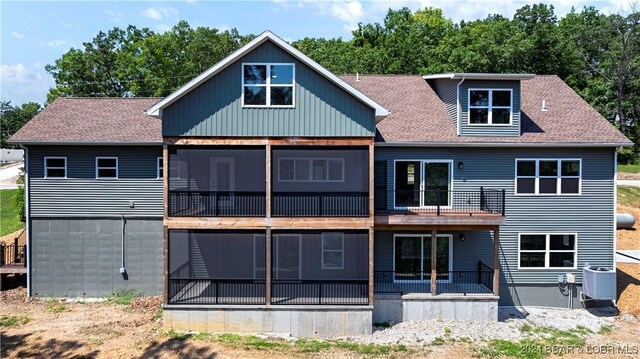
(320, 204)
(216, 204)
(460, 282)
(216, 291)
(441, 202)
(13, 255)
(319, 292)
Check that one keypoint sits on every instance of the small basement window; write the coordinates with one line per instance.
(547, 251)
(106, 167)
(268, 85)
(490, 106)
(55, 167)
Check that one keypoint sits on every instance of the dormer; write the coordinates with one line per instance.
(481, 104)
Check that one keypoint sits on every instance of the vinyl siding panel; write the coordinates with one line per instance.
(447, 91)
(81, 194)
(490, 130)
(321, 108)
(590, 215)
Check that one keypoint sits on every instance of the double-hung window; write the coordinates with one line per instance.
(332, 250)
(55, 167)
(159, 167)
(548, 176)
(268, 85)
(106, 167)
(547, 251)
(490, 107)
(311, 170)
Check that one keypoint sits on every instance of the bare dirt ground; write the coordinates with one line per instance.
(9, 238)
(627, 238)
(628, 176)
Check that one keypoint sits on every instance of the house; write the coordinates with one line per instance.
(270, 195)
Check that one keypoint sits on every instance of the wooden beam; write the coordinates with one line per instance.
(165, 243)
(268, 269)
(216, 222)
(427, 228)
(444, 220)
(268, 181)
(371, 239)
(165, 180)
(321, 223)
(263, 141)
(371, 181)
(263, 222)
(434, 257)
(496, 261)
(221, 141)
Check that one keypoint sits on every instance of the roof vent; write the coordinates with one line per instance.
(357, 77)
(544, 106)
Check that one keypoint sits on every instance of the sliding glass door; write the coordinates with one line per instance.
(422, 183)
(412, 257)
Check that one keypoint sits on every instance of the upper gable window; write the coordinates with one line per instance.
(490, 107)
(268, 85)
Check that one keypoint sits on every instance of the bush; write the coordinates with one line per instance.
(19, 199)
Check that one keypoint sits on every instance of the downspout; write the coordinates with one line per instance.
(459, 107)
(27, 211)
(123, 270)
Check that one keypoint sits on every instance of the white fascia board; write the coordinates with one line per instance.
(156, 110)
(479, 76)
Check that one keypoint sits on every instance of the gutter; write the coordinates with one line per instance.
(459, 108)
(27, 210)
(501, 144)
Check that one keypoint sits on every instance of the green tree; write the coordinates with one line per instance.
(14, 117)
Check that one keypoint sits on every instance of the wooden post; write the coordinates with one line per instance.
(434, 271)
(165, 231)
(165, 214)
(371, 238)
(267, 282)
(268, 180)
(371, 219)
(496, 261)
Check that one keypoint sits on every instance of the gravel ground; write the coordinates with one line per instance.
(510, 320)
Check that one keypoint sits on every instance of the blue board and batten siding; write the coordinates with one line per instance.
(590, 215)
(447, 91)
(81, 194)
(322, 109)
(76, 227)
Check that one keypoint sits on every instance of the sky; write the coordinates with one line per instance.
(36, 33)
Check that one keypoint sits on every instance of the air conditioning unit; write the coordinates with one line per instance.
(599, 283)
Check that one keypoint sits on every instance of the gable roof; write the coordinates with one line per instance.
(156, 110)
(418, 116)
(95, 120)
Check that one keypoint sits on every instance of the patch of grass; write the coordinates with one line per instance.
(158, 314)
(382, 324)
(9, 213)
(370, 349)
(11, 320)
(525, 348)
(251, 342)
(172, 334)
(438, 341)
(124, 296)
(629, 196)
(202, 336)
(311, 345)
(464, 339)
(605, 329)
(629, 168)
(55, 306)
(447, 331)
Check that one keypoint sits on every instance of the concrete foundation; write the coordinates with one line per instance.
(402, 308)
(296, 321)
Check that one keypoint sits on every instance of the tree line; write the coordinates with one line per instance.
(597, 54)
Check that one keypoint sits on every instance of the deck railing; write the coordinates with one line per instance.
(459, 282)
(440, 202)
(320, 292)
(216, 204)
(216, 291)
(13, 255)
(320, 204)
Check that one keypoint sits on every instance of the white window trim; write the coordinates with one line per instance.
(490, 107)
(268, 85)
(341, 251)
(421, 236)
(56, 168)
(159, 166)
(422, 162)
(116, 168)
(537, 177)
(546, 251)
(310, 159)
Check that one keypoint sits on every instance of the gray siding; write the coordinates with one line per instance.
(489, 130)
(321, 108)
(81, 194)
(447, 91)
(82, 257)
(590, 215)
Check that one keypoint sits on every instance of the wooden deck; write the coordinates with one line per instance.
(13, 269)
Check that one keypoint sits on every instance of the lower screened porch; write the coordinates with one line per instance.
(256, 268)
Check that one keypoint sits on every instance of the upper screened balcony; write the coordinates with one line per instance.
(230, 181)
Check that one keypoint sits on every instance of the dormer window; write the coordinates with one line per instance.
(490, 106)
(268, 85)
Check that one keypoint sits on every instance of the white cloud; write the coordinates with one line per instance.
(17, 35)
(54, 43)
(116, 17)
(20, 84)
(159, 13)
